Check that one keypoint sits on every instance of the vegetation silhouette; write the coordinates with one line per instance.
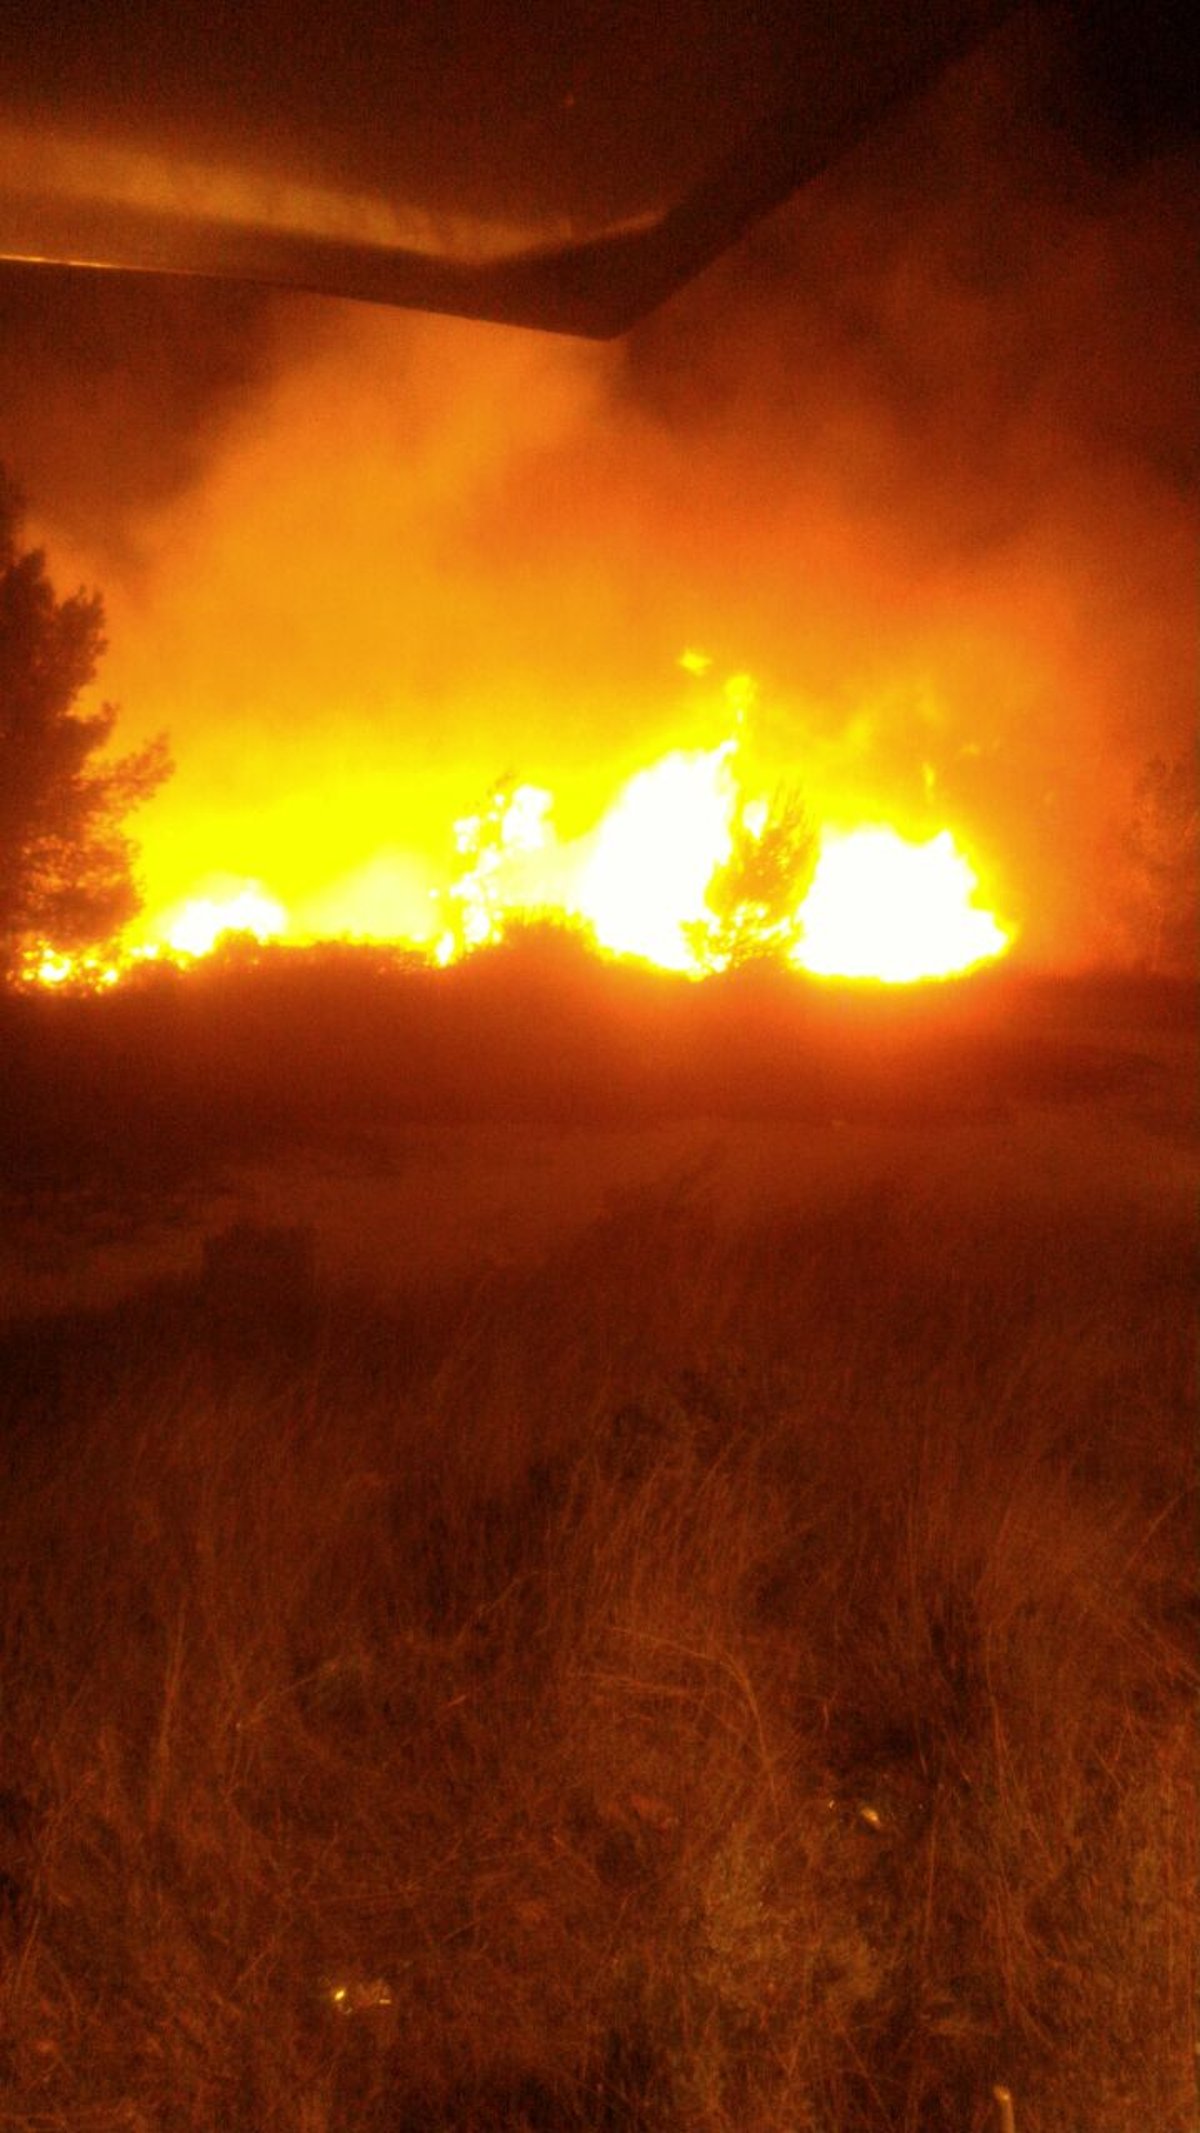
(1162, 844)
(706, 1679)
(66, 864)
(753, 900)
(713, 1671)
(259, 1046)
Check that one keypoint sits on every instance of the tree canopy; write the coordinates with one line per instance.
(66, 862)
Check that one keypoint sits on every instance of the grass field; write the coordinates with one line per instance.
(661, 1624)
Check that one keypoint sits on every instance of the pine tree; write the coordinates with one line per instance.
(66, 862)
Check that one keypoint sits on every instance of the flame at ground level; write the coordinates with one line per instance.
(654, 856)
(684, 870)
(200, 923)
(880, 907)
(875, 904)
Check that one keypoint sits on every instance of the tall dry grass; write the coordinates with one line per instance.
(710, 1684)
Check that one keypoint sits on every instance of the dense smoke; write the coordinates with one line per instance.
(919, 454)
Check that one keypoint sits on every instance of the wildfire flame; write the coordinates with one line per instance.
(491, 846)
(646, 882)
(880, 907)
(200, 923)
(654, 855)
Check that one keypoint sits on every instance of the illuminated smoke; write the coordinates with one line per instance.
(918, 453)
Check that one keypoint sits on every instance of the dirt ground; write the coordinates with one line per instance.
(393, 1209)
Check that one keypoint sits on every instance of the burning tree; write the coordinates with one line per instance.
(508, 827)
(66, 864)
(754, 899)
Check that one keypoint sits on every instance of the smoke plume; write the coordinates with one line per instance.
(919, 455)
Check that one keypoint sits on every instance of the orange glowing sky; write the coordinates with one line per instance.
(909, 455)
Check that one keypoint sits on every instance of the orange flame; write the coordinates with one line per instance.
(869, 902)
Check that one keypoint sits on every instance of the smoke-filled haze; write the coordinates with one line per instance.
(919, 455)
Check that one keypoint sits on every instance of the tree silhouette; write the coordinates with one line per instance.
(1163, 845)
(66, 864)
(753, 899)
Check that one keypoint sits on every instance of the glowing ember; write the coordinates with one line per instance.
(880, 907)
(200, 924)
(52, 967)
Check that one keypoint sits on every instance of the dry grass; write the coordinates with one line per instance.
(714, 1683)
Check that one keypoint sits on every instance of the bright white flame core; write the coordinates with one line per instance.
(876, 905)
(879, 907)
(512, 829)
(201, 922)
(654, 855)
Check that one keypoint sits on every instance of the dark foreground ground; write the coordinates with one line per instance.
(429, 1124)
(673, 1615)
